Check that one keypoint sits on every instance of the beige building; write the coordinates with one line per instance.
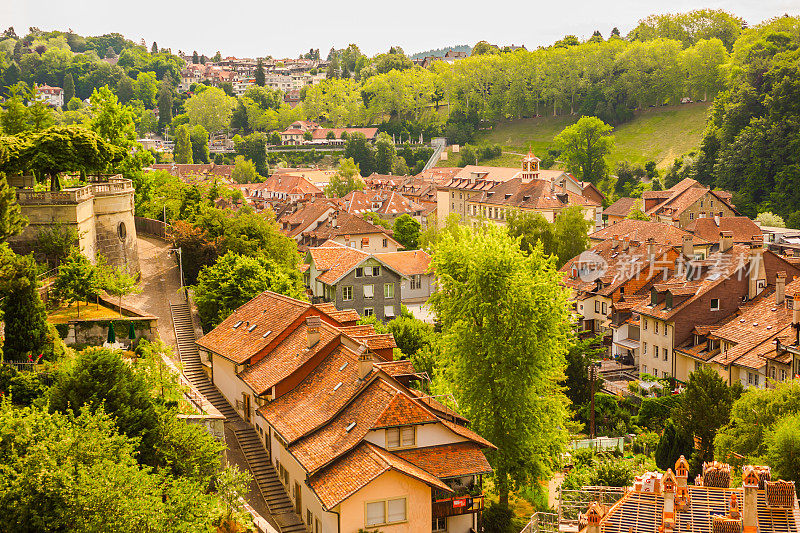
(354, 443)
(101, 213)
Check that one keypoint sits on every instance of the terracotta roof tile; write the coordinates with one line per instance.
(622, 207)
(449, 460)
(269, 312)
(743, 228)
(402, 411)
(358, 468)
(407, 262)
(641, 230)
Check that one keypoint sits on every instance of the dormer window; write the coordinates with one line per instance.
(401, 437)
(653, 297)
(239, 323)
(668, 300)
(526, 198)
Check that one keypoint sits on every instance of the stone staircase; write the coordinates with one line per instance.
(258, 460)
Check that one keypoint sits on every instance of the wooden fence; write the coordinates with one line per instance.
(153, 227)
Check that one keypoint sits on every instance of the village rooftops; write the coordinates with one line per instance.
(536, 194)
(407, 262)
(641, 230)
(710, 228)
(335, 261)
(623, 207)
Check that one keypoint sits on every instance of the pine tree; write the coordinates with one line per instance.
(164, 103)
(18, 51)
(69, 89)
(195, 58)
(260, 81)
(23, 310)
(217, 57)
(203, 59)
(154, 48)
(11, 220)
(183, 145)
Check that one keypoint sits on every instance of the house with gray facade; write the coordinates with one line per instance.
(353, 279)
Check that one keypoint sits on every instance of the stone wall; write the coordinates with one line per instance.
(95, 332)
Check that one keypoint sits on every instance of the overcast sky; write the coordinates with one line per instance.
(287, 28)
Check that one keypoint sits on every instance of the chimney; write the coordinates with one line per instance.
(552, 184)
(725, 241)
(651, 247)
(614, 241)
(625, 242)
(364, 362)
(688, 246)
(750, 500)
(794, 305)
(716, 220)
(757, 279)
(668, 490)
(312, 326)
(780, 287)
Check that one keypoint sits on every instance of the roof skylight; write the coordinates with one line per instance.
(237, 324)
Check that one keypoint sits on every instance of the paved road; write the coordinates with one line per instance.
(160, 282)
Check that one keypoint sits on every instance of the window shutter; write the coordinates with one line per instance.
(393, 438)
(397, 510)
(375, 513)
(408, 435)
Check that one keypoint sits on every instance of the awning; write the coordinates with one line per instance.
(630, 344)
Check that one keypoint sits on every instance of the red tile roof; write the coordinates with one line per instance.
(622, 207)
(358, 468)
(641, 230)
(407, 262)
(710, 229)
(448, 460)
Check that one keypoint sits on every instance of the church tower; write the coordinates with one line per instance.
(530, 168)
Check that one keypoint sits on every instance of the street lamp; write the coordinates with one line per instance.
(180, 262)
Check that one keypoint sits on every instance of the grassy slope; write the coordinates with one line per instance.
(658, 134)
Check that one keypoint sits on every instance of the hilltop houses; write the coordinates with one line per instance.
(353, 440)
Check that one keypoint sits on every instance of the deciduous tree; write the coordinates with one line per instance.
(506, 326)
(406, 231)
(346, 179)
(584, 147)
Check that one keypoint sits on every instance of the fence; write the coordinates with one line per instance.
(151, 226)
(542, 523)
(600, 444)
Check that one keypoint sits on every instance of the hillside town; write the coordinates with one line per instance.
(465, 290)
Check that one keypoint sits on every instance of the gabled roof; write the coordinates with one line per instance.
(710, 228)
(407, 262)
(358, 468)
(622, 207)
(336, 260)
(535, 194)
(267, 314)
(448, 460)
(641, 230)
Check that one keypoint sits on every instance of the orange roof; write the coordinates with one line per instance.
(358, 468)
(335, 261)
(289, 355)
(257, 323)
(448, 460)
(708, 228)
(401, 411)
(622, 207)
(407, 262)
(641, 230)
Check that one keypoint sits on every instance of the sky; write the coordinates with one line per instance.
(248, 28)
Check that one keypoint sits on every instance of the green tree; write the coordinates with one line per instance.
(672, 444)
(406, 231)
(770, 219)
(77, 281)
(198, 136)
(260, 79)
(361, 152)
(101, 379)
(146, 88)
(235, 280)
(211, 109)
(77, 473)
(531, 228)
(584, 147)
(254, 148)
(164, 103)
(506, 327)
(753, 417)
(704, 410)
(783, 448)
(183, 145)
(69, 88)
(54, 242)
(125, 90)
(410, 334)
(571, 233)
(23, 310)
(385, 154)
(112, 121)
(244, 171)
(581, 354)
(345, 180)
(16, 117)
(468, 156)
(12, 221)
(62, 149)
(117, 282)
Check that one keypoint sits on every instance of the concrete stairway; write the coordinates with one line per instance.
(275, 496)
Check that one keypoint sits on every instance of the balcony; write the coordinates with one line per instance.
(456, 506)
